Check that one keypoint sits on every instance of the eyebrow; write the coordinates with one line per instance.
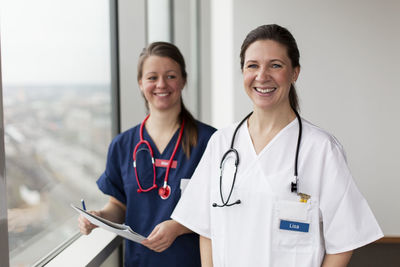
(150, 73)
(154, 72)
(276, 59)
(272, 60)
(251, 61)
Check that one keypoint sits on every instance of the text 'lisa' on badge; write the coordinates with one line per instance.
(294, 226)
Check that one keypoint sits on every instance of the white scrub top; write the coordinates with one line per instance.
(253, 233)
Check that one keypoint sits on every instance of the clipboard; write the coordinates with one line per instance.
(119, 229)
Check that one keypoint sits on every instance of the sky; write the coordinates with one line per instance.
(55, 41)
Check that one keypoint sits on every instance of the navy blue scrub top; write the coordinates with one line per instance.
(145, 210)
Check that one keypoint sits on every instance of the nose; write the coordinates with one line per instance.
(263, 74)
(161, 83)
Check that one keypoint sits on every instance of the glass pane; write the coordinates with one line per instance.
(57, 109)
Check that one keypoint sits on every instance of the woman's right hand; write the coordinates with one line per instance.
(113, 211)
(85, 226)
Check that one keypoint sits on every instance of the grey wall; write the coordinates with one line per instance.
(186, 36)
(132, 39)
(348, 84)
(185, 33)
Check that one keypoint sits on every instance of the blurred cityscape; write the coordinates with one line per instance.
(56, 140)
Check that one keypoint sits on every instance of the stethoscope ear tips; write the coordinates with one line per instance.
(214, 205)
(238, 201)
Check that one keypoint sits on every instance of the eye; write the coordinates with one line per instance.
(252, 66)
(276, 66)
(171, 76)
(152, 78)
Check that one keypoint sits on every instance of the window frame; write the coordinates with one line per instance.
(115, 129)
(4, 249)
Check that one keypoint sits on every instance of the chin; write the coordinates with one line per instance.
(263, 104)
(165, 107)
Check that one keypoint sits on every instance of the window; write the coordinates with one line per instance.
(57, 117)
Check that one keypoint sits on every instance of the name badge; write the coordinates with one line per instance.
(294, 226)
(164, 163)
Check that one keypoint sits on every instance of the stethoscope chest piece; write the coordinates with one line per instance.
(164, 192)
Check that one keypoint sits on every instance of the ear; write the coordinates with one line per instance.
(140, 85)
(296, 72)
(184, 84)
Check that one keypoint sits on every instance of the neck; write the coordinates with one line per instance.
(270, 120)
(162, 121)
(264, 125)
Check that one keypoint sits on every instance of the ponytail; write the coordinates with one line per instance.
(190, 132)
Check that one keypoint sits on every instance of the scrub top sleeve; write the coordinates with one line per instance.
(193, 209)
(110, 182)
(348, 222)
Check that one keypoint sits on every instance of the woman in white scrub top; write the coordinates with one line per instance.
(264, 223)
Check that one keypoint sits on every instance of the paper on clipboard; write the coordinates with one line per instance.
(119, 229)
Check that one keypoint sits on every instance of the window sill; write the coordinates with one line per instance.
(90, 250)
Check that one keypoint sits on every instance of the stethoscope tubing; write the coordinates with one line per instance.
(142, 141)
(165, 190)
(294, 185)
(233, 150)
(140, 189)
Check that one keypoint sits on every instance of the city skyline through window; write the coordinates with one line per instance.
(57, 117)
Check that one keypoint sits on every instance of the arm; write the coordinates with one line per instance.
(205, 252)
(337, 260)
(164, 234)
(113, 211)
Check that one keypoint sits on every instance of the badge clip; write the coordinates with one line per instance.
(304, 197)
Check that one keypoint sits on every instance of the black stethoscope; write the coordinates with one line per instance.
(233, 151)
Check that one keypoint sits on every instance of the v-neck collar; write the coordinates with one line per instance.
(273, 140)
(167, 150)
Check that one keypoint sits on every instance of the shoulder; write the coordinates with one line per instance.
(205, 129)
(315, 136)
(125, 136)
(224, 135)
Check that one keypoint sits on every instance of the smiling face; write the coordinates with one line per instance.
(268, 74)
(161, 83)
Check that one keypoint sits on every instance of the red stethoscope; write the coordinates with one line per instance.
(165, 190)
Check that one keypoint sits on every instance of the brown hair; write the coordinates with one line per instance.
(281, 35)
(164, 49)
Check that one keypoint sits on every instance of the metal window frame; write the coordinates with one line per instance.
(115, 69)
(4, 249)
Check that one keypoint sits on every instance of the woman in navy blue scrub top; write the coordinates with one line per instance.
(143, 194)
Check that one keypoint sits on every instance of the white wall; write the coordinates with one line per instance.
(222, 63)
(348, 84)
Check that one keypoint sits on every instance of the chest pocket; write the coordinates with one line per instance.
(294, 226)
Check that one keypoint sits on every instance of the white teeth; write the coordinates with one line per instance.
(162, 94)
(264, 91)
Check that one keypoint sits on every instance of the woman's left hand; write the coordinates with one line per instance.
(163, 235)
